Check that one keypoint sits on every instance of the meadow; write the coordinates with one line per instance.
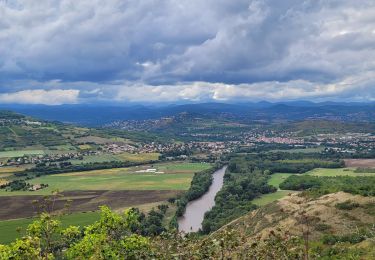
(142, 157)
(175, 176)
(271, 197)
(19, 153)
(277, 178)
(337, 172)
(301, 150)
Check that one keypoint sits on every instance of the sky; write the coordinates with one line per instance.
(166, 51)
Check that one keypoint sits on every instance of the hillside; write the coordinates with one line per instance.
(22, 132)
(338, 220)
(91, 115)
(325, 217)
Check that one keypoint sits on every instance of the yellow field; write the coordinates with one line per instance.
(2, 181)
(11, 169)
(84, 147)
(142, 157)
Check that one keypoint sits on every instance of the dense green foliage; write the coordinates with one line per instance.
(247, 178)
(362, 185)
(16, 185)
(111, 237)
(118, 236)
(284, 162)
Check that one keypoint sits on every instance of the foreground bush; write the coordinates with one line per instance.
(111, 237)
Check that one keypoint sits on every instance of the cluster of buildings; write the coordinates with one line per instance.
(118, 148)
(18, 121)
(347, 143)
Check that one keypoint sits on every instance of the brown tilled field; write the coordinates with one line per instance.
(22, 206)
(362, 163)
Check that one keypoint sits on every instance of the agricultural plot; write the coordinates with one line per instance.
(174, 176)
(301, 150)
(104, 180)
(4, 170)
(142, 157)
(337, 172)
(20, 153)
(183, 167)
(362, 163)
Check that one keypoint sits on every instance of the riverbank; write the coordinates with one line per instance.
(192, 219)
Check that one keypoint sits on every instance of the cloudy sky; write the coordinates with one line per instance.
(130, 51)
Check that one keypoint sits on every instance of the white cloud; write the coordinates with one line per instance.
(142, 50)
(40, 96)
(359, 88)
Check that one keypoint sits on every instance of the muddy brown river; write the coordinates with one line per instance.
(191, 221)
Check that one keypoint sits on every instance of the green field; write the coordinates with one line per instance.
(20, 153)
(271, 197)
(142, 157)
(277, 178)
(337, 172)
(8, 228)
(301, 150)
(177, 176)
(183, 167)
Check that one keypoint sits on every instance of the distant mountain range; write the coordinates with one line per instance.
(97, 115)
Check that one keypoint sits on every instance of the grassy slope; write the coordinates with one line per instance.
(324, 217)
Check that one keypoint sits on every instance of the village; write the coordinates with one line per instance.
(342, 143)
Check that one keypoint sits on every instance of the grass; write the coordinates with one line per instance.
(337, 172)
(108, 181)
(11, 169)
(177, 177)
(8, 228)
(301, 150)
(142, 157)
(277, 178)
(271, 197)
(96, 159)
(84, 146)
(183, 167)
(20, 153)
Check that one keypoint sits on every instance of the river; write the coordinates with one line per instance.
(191, 221)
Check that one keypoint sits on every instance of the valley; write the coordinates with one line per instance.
(162, 168)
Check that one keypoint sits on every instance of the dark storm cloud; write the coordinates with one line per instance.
(187, 50)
